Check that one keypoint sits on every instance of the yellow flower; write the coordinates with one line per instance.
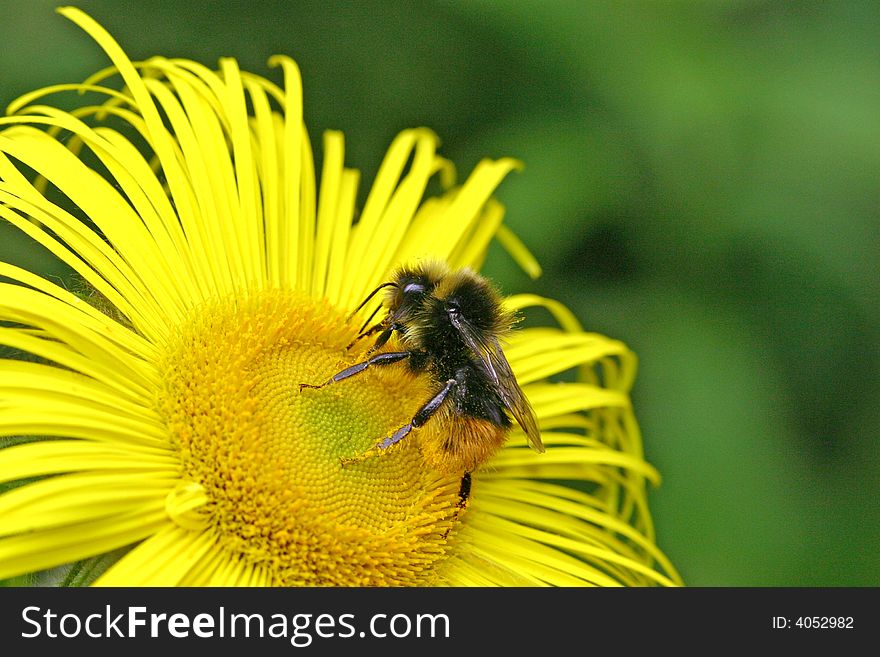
(158, 417)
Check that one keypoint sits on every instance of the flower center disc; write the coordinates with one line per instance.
(269, 455)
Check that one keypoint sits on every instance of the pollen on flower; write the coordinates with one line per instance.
(266, 458)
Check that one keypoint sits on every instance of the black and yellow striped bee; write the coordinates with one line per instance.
(448, 324)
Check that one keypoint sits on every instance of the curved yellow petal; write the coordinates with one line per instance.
(77, 498)
(30, 552)
(161, 560)
(57, 456)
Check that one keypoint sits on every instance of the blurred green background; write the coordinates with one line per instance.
(702, 181)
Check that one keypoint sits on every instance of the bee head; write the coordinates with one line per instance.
(412, 285)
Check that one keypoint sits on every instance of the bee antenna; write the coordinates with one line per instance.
(369, 319)
(370, 296)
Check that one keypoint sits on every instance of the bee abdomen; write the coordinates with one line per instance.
(458, 444)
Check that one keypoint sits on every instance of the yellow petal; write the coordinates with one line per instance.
(57, 456)
(27, 553)
(331, 188)
(287, 248)
(161, 560)
(79, 498)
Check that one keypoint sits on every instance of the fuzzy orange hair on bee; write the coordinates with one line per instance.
(448, 324)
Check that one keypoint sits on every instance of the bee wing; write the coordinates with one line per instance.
(498, 369)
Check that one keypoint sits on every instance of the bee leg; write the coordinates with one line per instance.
(383, 337)
(464, 494)
(464, 491)
(419, 419)
(380, 341)
(421, 416)
(365, 333)
(379, 359)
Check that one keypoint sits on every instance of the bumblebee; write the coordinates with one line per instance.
(448, 324)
